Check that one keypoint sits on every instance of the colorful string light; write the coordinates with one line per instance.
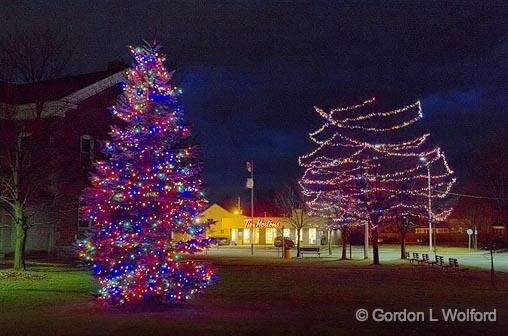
(145, 197)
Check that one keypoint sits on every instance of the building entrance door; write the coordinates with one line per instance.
(234, 236)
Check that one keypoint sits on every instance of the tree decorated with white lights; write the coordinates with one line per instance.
(363, 159)
(340, 213)
(144, 199)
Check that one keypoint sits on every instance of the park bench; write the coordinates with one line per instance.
(440, 262)
(310, 250)
(408, 257)
(425, 259)
(453, 264)
(416, 258)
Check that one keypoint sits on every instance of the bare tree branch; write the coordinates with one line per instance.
(36, 55)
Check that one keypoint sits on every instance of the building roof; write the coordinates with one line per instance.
(217, 211)
(49, 90)
(54, 97)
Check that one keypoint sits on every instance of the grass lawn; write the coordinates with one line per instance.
(259, 297)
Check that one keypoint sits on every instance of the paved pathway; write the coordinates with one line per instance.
(477, 258)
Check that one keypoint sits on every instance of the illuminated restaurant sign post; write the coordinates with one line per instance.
(261, 223)
(249, 166)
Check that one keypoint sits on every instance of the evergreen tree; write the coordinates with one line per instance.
(145, 198)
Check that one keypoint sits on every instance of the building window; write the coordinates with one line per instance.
(5, 220)
(286, 233)
(52, 140)
(270, 234)
(312, 236)
(25, 155)
(255, 236)
(234, 236)
(83, 223)
(86, 150)
(498, 230)
(246, 236)
(442, 230)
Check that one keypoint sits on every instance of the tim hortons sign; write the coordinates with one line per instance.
(262, 223)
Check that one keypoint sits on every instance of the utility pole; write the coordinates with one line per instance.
(252, 209)
(366, 242)
(430, 209)
(423, 158)
(492, 273)
(475, 237)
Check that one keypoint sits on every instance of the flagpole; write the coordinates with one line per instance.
(252, 208)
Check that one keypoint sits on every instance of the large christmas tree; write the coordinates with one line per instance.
(145, 198)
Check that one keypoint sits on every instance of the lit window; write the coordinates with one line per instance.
(234, 236)
(312, 236)
(246, 236)
(286, 233)
(269, 236)
(86, 150)
(255, 237)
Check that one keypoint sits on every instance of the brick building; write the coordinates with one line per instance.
(56, 124)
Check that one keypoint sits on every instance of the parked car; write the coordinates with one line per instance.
(222, 241)
(287, 242)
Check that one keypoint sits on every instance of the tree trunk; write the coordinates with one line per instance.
(344, 244)
(375, 246)
(330, 242)
(21, 233)
(298, 243)
(402, 245)
(506, 232)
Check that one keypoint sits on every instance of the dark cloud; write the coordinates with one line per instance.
(252, 71)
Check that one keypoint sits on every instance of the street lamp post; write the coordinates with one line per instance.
(362, 184)
(366, 241)
(430, 210)
(424, 159)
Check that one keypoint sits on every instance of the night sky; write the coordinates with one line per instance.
(252, 70)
